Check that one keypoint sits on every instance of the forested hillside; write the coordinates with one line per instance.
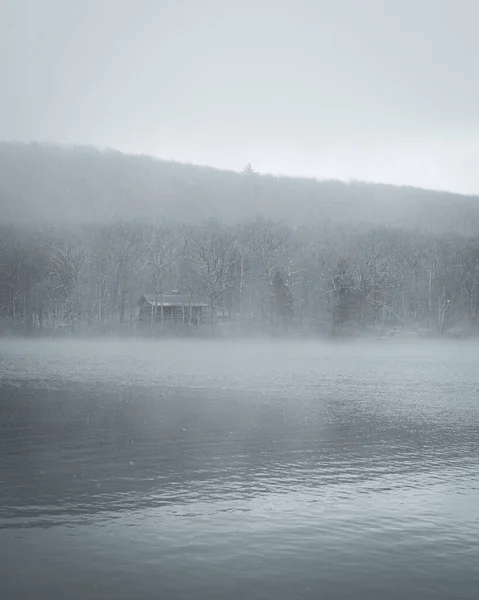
(85, 233)
(52, 184)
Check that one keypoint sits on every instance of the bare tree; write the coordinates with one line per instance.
(67, 261)
(160, 253)
(212, 255)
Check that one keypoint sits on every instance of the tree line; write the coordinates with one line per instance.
(258, 275)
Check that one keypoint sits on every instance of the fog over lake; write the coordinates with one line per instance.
(258, 469)
(239, 300)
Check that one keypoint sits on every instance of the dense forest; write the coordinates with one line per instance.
(259, 275)
(347, 268)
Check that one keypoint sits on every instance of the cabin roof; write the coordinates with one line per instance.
(175, 300)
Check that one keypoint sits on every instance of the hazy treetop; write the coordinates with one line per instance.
(51, 184)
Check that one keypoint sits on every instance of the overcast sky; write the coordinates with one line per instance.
(380, 90)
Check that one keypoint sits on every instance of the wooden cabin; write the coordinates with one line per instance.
(166, 308)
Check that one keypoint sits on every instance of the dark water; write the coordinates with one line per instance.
(213, 471)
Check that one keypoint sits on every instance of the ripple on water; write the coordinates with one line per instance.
(249, 470)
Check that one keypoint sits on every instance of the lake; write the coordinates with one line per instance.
(262, 470)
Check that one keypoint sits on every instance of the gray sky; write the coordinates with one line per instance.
(381, 90)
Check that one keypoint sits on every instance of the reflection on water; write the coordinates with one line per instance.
(250, 470)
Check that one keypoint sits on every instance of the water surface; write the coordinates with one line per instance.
(239, 470)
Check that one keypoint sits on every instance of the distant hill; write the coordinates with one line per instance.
(45, 184)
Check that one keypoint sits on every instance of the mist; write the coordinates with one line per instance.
(239, 300)
(220, 457)
(320, 89)
(256, 276)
